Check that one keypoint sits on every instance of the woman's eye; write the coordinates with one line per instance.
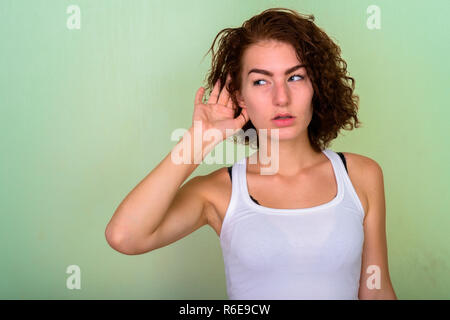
(297, 75)
(256, 83)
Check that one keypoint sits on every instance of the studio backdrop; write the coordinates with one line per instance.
(91, 92)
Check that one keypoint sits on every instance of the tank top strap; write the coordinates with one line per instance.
(345, 178)
(236, 174)
(336, 162)
(237, 170)
(241, 171)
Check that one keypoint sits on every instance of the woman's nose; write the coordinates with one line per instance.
(280, 94)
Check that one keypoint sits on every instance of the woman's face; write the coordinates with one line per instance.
(268, 90)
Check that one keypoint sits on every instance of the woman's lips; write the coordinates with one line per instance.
(283, 122)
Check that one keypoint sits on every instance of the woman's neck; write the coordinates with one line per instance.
(286, 158)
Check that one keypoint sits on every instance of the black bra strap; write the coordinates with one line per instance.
(231, 178)
(229, 172)
(343, 160)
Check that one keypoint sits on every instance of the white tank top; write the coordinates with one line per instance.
(302, 254)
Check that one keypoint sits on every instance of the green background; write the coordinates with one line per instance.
(86, 114)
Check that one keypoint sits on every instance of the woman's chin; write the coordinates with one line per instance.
(283, 136)
(285, 133)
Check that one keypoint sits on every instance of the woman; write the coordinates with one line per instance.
(315, 227)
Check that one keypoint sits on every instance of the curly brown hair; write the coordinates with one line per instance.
(334, 104)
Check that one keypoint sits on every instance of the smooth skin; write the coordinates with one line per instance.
(160, 210)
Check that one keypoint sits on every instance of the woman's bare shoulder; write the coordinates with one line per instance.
(216, 187)
(216, 190)
(361, 162)
(364, 173)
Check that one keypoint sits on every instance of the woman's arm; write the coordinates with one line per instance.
(157, 211)
(374, 257)
(131, 229)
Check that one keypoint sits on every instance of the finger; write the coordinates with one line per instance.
(242, 119)
(214, 94)
(224, 95)
(230, 103)
(199, 95)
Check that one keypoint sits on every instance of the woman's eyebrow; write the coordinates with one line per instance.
(268, 73)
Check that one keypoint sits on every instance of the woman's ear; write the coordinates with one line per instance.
(240, 100)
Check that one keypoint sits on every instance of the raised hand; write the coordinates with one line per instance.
(218, 112)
